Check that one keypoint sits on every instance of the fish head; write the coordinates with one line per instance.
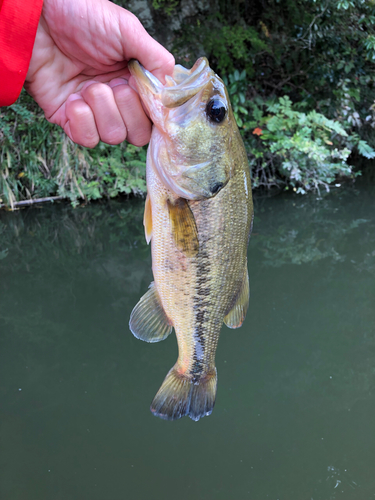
(194, 126)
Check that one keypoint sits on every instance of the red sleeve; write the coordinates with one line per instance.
(18, 24)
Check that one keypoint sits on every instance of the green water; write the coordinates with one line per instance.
(295, 411)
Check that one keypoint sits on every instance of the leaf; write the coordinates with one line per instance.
(365, 149)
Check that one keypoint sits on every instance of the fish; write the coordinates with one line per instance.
(198, 217)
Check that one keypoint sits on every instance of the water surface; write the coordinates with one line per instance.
(295, 410)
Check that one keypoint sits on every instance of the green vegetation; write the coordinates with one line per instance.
(38, 160)
(301, 77)
(300, 74)
(167, 6)
(290, 147)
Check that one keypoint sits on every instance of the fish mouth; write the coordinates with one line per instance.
(178, 89)
(144, 78)
(173, 107)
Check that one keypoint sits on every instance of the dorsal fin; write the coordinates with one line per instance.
(237, 314)
(184, 228)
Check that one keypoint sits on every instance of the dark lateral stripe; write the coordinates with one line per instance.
(201, 305)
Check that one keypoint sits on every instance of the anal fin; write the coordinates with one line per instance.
(237, 314)
(148, 320)
(184, 228)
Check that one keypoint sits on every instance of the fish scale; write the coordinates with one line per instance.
(198, 241)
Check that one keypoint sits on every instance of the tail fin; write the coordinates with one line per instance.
(179, 396)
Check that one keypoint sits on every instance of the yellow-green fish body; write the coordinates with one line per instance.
(198, 216)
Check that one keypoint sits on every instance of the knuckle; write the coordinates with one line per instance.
(114, 137)
(82, 124)
(92, 144)
(90, 141)
(123, 93)
(80, 112)
(96, 92)
(140, 139)
(134, 24)
(169, 63)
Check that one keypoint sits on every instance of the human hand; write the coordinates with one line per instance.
(78, 71)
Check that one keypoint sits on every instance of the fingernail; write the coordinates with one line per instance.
(73, 97)
(118, 81)
(87, 84)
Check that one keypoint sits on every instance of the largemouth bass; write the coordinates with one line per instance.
(198, 217)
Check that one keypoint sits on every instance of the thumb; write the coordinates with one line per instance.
(138, 44)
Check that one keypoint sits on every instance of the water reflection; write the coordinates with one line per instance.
(295, 406)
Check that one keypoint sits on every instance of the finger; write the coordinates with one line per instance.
(109, 122)
(80, 125)
(138, 44)
(137, 124)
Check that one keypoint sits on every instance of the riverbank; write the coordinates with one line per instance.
(301, 83)
(287, 149)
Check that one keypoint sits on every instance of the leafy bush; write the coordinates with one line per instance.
(227, 45)
(306, 149)
(38, 160)
(301, 77)
(289, 147)
(168, 6)
(321, 52)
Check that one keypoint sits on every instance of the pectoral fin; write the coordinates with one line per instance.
(184, 228)
(148, 320)
(237, 314)
(147, 219)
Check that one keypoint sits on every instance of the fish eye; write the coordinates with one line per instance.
(216, 110)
